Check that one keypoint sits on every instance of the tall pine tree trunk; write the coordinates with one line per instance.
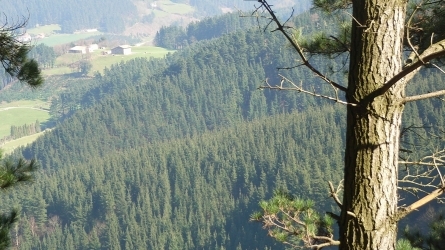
(373, 127)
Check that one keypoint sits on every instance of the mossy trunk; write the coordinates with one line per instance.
(373, 127)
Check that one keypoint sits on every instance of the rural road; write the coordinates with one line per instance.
(8, 108)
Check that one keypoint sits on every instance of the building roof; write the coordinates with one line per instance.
(78, 48)
(124, 46)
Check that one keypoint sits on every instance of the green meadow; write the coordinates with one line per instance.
(52, 37)
(100, 61)
(11, 145)
(45, 29)
(20, 113)
(175, 8)
(57, 39)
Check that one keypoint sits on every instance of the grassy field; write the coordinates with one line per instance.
(20, 113)
(11, 145)
(54, 38)
(45, 29)
(24, 103)
(175, 8)
(57, 39)
(100, 61)
(57, 71)
(160, 13)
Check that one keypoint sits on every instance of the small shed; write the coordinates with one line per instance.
(93, 47)
(78, 49)
(121, 50)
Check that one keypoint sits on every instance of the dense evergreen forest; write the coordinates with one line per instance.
(174, 37)
(192, 193)
(110, 16)
(211, 8)
(177, 153)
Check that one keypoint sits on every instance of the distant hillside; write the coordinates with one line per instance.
(116, 15)
(110, 15)
(212, 8)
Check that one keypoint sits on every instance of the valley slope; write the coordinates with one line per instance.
(176, 153)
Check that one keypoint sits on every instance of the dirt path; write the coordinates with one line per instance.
(8, 108)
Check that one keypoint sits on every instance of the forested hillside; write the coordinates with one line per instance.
(192, 193)
(74, 15)
(176, 153)
(211, 8)
(202, 88)
(174, 37)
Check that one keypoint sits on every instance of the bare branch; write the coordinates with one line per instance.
(292, 67)
(437, 67)
(403, 212)
(425, 177)
(295, 87)
(282, 28)
(438, 172)
(331, 242)
(421, 186)
(355, 20)
(408, 38)
(351, 214)
(432, 52)
(423, 96)
(334, 193)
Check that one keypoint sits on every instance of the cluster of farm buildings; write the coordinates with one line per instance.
(119, 50)
(26, 37)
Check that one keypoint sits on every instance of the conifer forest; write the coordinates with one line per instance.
(191, 150)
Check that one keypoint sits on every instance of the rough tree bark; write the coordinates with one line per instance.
(373, 126)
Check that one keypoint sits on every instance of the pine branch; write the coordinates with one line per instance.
(294, 222)
(13, 174)
(282, 28)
